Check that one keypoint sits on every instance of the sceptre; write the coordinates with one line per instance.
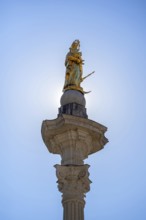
(88, 75)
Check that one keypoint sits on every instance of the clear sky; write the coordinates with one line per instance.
(35, 37)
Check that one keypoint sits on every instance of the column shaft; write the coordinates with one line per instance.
(73, 210)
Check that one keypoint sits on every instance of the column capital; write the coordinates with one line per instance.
(73, 182)
(74, 138)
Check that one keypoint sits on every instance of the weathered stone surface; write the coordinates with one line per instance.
(73, 182)
(74, 138)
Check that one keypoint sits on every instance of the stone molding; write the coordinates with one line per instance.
(74, 138)
(73, 146)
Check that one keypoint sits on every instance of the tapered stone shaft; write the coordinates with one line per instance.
(73, 210)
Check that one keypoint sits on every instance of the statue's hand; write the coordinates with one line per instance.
(77, 60)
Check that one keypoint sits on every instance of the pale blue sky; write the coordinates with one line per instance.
(35, 37)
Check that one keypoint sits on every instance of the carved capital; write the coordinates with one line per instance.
(73, 182)
(74, 138)
(73, 146)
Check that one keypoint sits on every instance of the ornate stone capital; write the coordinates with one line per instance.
(73, 146)
(74, 138)
(73, 182)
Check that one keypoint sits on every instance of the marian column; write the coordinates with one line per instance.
(73, 136)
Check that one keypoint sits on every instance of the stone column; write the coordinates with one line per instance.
(73, 182)
(74, 137)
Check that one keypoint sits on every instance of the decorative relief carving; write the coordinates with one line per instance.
(72, 145)
(68, 134)
(73, 181)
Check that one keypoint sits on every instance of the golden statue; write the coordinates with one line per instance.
(74, 70)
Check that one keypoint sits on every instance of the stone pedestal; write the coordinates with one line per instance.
(73, 103)
(73, 136)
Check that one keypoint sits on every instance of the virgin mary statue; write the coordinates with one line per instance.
(74, 72)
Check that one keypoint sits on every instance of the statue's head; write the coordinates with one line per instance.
(75, 45)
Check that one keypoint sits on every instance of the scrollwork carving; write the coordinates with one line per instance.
(73, 180)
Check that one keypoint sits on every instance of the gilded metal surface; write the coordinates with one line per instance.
(74, 69)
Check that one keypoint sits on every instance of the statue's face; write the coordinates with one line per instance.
(76, 44)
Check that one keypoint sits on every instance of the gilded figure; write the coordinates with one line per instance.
(74, 69)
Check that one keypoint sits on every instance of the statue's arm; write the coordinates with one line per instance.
(77, 60)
